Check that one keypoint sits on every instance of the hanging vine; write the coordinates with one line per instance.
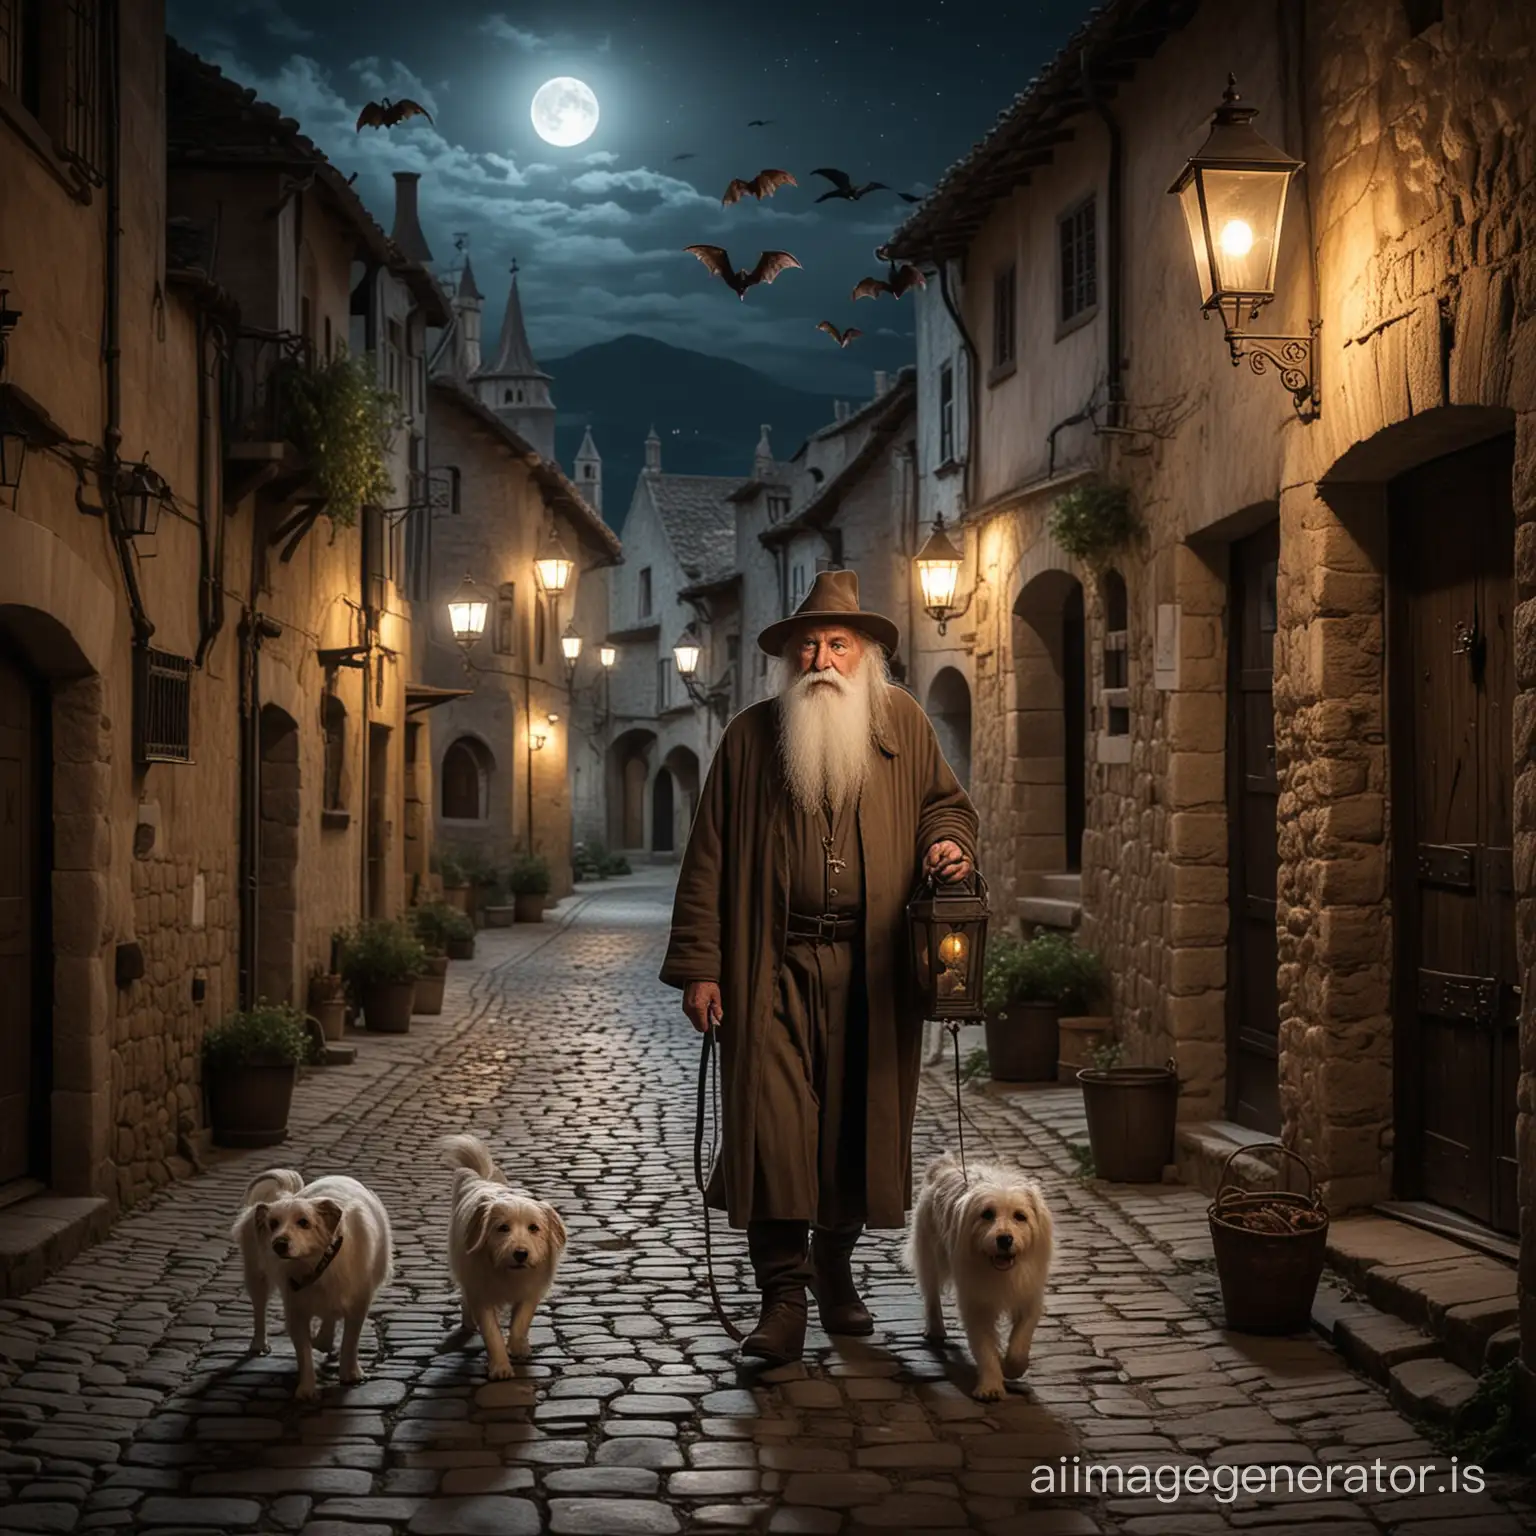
(1093, 520)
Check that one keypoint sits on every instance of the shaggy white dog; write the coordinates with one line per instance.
(503, 1248)
(991, 1237)
(327, 1249)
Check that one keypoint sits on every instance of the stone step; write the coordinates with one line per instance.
(1059, 887)
(340, 1055)
(1430, 1389)
(1049, 912)
(42, 1234)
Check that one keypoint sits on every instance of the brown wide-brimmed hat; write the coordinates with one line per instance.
(833, 599)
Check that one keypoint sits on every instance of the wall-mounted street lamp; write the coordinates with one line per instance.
(938, 572)
(141, 491)
(685, 656)
(553, 566)
(1233, 197)
(468, 610)
(570, 648)
(13, 450)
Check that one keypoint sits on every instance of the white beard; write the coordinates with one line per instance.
(827, 725)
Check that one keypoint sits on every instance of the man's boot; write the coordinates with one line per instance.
(838, 1302)
(779, 1263)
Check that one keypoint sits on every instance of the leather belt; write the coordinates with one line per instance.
(825, 927)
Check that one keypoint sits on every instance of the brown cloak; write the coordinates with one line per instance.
(729, 919)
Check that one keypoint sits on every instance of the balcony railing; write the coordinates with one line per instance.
(258, 363)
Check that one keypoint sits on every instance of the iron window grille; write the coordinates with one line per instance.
(162, 698)
(1078, 235)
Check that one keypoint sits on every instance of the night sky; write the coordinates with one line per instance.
(893, 94)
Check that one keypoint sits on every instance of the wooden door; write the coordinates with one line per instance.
(378, 829)
(1456, 979)
(1253, 792)
(23, 1044)
(1074, 723)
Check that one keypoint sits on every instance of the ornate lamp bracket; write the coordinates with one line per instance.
(1293, 358)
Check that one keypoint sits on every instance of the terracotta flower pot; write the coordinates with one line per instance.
(332, 1016)
(1022, 1043)
(430, 985)
(1080, 1036)
(499, 917)
(461, 949)
(248, 1105)
(529, 907)
(387, 1006)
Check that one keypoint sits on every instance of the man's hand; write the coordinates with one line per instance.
(946, 861)
(701, 1002)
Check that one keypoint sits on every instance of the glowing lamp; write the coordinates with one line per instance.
(554, 566)
(938, 573)
(467, 610)
(686, 652)
(570, 644)
(948, 925)
(1233, 197)
(607, 654)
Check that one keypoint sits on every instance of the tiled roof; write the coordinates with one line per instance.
(897, 405)
(699, 520)
(865, 411)
(558, 491)
(213, 120)
(1114, 38)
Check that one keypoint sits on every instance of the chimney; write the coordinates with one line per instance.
(762, 458)
(407, 231)
(839, 410)
(880, 382)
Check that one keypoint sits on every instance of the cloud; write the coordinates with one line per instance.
(600, 157)
(395, 82)
(504, 32)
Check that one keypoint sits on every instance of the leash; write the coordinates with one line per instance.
(709, 1083)
(953, 1026)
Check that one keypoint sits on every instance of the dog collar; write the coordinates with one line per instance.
(320, 1268)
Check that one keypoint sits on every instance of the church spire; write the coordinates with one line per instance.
(589, 471)
(514, 357)
(653, 450)
(514, 386)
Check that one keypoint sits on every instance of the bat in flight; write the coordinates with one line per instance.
(895, 283)
(842, 338)
(686, 155)
(386, 113)
(764, 184)
(760, 122)
(842, 185)
(769, 265)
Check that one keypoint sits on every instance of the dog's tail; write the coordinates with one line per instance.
(273, 1184)
(471, 1153)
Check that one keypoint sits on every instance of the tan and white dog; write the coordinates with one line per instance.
(503, 1249)
(327, 1249)
(992, 1238)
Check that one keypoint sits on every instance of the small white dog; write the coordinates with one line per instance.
(327, 1249)
(991, 1236)
(503, 1248)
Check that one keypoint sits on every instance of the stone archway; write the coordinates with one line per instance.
(1050, 722)
(949, 707)
(277, 888)
(683, 764)
(629, 771)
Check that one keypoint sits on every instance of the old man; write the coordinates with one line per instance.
(822, 807)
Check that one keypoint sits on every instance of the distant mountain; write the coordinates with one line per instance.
(708, 412)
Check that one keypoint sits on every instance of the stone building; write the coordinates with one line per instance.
(1283, 734)
(679, 533)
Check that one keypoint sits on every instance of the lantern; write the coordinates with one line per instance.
(1233, 196)
(467, 611)
(13, 451)
(140, 493)
(948, 923)
(686, 652)
(554, 566)
(570, 644)
(607, 654)
(938, 573)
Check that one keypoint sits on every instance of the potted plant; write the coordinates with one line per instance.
(381, 961)
(250, 1062)
(497, 911)
(1026, 987)
(1131, 1113)
(328, 1002)
(529, 881)
(455, 881)
(433, 921)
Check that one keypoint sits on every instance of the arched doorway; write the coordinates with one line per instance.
(683, 764)
(663, 809)
(629, 768)
(949, 707)
(277, 888)
(1050, 676)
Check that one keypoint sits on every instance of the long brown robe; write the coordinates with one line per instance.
(728, 926)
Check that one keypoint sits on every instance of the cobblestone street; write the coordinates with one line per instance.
(127, 1400)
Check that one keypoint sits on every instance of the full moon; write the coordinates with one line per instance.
(564, 111)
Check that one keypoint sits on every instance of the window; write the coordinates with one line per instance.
(504, 636)
(333, 723)
(1078, 234)
(50, 57)
(663, 683)
(947, 414)
(796, 587)
(778, 505)
(465, 780)
(538, 631)
(645, 593)
(162, 704)
(1004, 295)
(1117, 681)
